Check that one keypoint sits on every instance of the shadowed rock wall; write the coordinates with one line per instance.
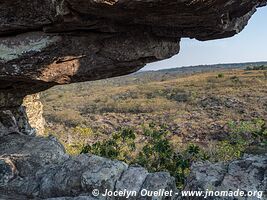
(44, 43)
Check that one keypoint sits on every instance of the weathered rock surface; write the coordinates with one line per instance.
(246, 174)
(15, 120)
(19, 114)
(34, 111)
(43, 43)
(36, 167)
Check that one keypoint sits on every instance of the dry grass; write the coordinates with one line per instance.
(195, 108)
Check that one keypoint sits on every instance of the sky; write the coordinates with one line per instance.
(248, 46)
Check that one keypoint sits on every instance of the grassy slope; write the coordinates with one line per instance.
(195, 108)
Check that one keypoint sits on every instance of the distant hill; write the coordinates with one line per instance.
(202, 68)
(165, 74)
(142, 77)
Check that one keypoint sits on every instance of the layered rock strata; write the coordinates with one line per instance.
(49, 42)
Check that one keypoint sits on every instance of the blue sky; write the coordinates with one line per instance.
(248, 46)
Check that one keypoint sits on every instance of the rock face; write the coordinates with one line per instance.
(34, 110)
(15, 120)
(36, 167)
(24, 116)
(48, 42)
(246, 174)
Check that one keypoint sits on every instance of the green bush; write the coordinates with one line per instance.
(226, 150)
(250, 131)
(157, 153)
(120, 146)
(221, 75)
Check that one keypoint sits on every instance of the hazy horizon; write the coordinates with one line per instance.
(248, 46)
(210, 64)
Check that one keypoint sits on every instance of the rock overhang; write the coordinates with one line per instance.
(45, 43)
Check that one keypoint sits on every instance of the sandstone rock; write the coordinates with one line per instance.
(10, 99)
(8, 123)
(15, 120)
(43, 43)
(36, 167)
(25, 119)
(132, 180)
(102, 175)
(246, 174)
(158, 181)
(7, 171)
(34, 111)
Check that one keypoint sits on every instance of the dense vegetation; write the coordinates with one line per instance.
(164, 121)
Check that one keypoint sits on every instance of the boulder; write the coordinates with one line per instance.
(34, 167)
(38, 168)
(248, 174)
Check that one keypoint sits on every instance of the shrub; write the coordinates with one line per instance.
(241, 136)
(250, 131)
(157, 153)
(221, 75)
(176, 94)
(227, 151)
(119, 147)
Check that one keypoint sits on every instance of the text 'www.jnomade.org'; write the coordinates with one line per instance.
(169, 193)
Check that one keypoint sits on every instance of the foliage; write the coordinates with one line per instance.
(120, 146)
(241, 136)
(227, 151)
(221, 75)
(157, 153)
(138, 99)
(251, 131)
